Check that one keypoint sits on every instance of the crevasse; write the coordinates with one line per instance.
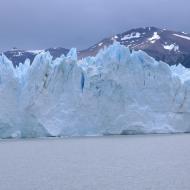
(116, 92)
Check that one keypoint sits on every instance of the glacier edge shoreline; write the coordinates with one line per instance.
(116, 92)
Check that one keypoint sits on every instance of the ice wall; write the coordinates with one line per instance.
(116, 92)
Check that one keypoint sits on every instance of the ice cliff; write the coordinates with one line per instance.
(116, 92)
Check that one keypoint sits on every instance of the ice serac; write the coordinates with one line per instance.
(116, 92)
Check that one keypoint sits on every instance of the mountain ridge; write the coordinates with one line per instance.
(165, 45)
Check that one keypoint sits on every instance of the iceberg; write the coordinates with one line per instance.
(115, 92)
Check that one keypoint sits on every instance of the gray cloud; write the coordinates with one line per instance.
(36, 24)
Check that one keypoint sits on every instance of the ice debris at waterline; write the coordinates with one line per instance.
(116, 92)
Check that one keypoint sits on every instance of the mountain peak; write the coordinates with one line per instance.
(164, 45)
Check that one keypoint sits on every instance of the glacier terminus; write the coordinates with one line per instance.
(116, 92)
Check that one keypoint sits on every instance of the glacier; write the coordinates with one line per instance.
(116, 92)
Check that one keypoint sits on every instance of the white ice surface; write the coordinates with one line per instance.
(116, 92)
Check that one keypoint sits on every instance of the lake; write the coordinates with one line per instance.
(139, 162)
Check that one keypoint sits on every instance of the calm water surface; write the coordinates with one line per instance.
(151, 162)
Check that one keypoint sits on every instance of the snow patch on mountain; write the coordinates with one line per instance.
(115, 92)
(35, 51)
(154, 38)
(171, 47)
(181, 36)
(18, 54)
(131, 36)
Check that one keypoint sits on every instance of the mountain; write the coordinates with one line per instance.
(116, 92)
(169, 46)
(19, 56)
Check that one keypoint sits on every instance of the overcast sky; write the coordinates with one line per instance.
(37, 24)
